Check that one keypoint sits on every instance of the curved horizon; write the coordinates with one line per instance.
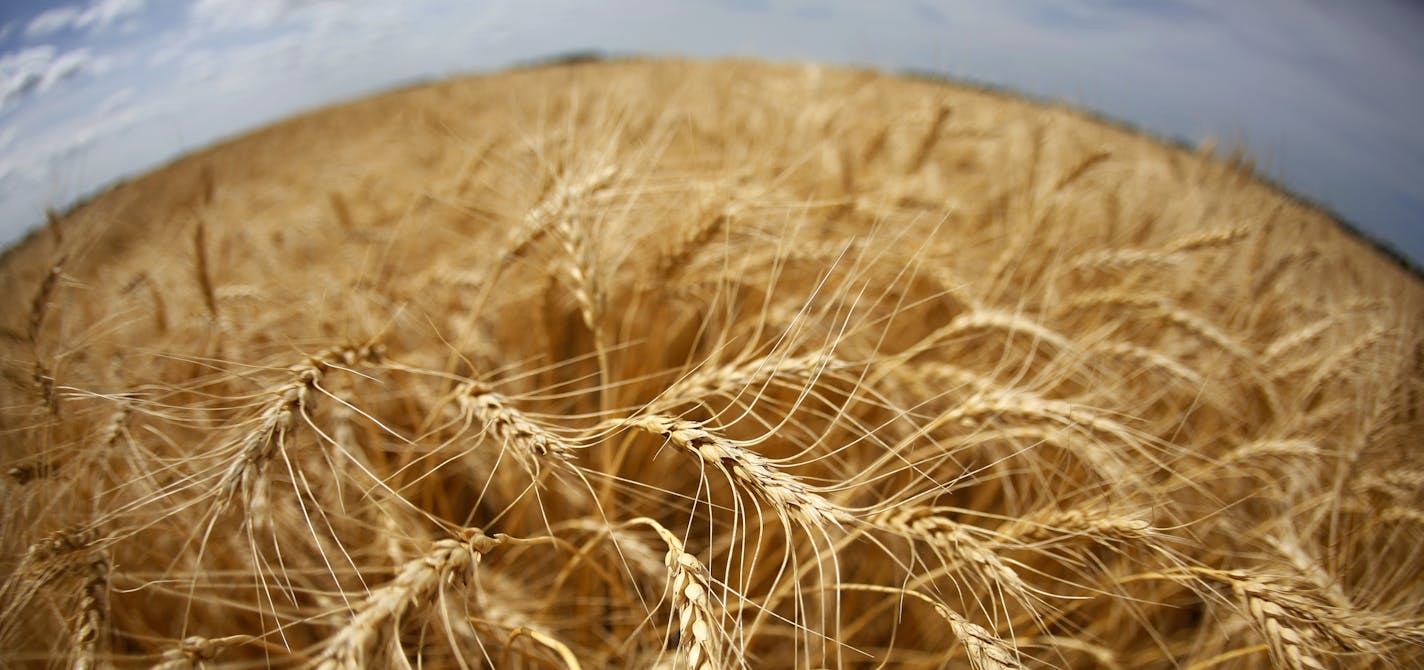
(1324, 98)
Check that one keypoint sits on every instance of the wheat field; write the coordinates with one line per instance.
(709, 365)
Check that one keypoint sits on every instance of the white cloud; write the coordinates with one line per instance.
(105, 13)
(99, 16)
(65, 66)
(259, 14)
(173, 46)
(197, 67)
(244, 68)
(52, 21)
(21, 72)
(118, 101)
(38, 69)
(237, 46)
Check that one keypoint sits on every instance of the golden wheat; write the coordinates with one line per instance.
(707, 365)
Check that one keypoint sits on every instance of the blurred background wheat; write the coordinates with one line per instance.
(708, 364)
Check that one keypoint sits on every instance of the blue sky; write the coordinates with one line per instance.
(1325, 95)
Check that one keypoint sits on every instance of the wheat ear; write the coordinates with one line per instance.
(92, 631)
(1082, 167)
(72, 551)
(582, 269)
(992, 319)
(1290, 645)
(679, 255)
(1098, 525)
(790, 497)
(1297, 625)
(930, 525)
(738, 378)
(532, 444)
(996, 405)
(549, 212)
(566, 655)
(279, 419)
(39, 305)
(701, 641)
(42, 375)
(1208, 239)
(1117, 260)
(415, 589)
(984, 649)
(193, 650)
